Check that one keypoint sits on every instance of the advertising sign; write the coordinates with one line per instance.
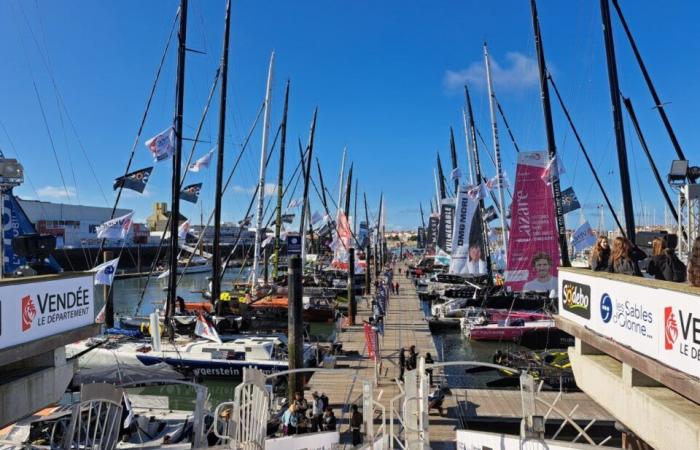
(659, 323)
(293, 245)
(447, 214)
(433, 223)
(467, 238)
(420, 242)
(371, 341)
(533, 248)
(31, 311)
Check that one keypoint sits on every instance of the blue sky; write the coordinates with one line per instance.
(386, 77)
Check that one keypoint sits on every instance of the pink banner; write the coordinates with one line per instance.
(371, 340)
(533, 248)
(341, 243)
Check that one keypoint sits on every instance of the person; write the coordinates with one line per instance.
(329, 421)
(402, 363)
(436, 399)
(429, 370)
(399, 270)
(600, 255)
(397, 288)
(291, 420)
(664, 264)
(544, 281)
(475, 265)
(412, 358)
(621, 260)
(694, 264)
(317, 408)
(356, 421)
(300, 402)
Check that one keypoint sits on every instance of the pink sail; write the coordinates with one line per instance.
(533, 248)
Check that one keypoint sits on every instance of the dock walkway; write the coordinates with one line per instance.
(404, 325)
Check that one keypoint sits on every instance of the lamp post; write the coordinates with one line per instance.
(11, 175)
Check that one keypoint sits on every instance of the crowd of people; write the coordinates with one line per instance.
(663, 264)
(302, 418)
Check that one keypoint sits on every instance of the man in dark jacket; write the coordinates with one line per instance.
(356, 421)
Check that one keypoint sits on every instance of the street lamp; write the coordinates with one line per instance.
(11, 176)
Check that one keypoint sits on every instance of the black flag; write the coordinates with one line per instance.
(136, 181)
(287, 218)
(490, 214)
(569, 202)
(191, 193)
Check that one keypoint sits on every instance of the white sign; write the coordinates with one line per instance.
(31, 311)
(659, 323)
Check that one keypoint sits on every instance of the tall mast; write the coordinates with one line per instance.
(323, 186)
(477, 172)
(551, 143)
(175, 201)
(437, 193)
(628, 208)
(307, 177)
(348, 191)
(280, 184)
(441, 179)
(469, 147)
(453, 156)
(342, 174)
(354, 213)
(261, 182)
(496, 150)
(216, 251)
(422, 219)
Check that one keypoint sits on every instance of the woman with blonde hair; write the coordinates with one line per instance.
(600, 256)
(694, 264)
(621, 257)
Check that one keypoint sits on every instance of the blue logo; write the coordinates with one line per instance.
(606, 308)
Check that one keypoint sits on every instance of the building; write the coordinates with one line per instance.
(229, 234)
(158, 220)
(75, 225)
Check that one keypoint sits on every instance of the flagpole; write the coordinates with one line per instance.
(261, 182)
(175, 206)
(216, 250)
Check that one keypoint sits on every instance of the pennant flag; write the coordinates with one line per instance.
(184, 229)
(201, 163)
(191, 193)
(203, 329)
(136, 181)
(553, 170)
(490, 214)
(583, 237)
(456, 174)
(295, 203)
(287, 218)
(104, 273)
(100, 317)
(496, 182)
(267, 241)
(477, 192)
(116, 228)
(245, 222)
(316, 218)
(569, 201)
(162, 145)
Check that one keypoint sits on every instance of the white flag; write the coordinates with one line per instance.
(294, 203)
(201, 163)
(203, 329)
(456, 174)
(184, 229)
(267, 241)
(316, 217)
(116, 228)
(162, 145)
(555, 168)
(583, 237)
(104, 273)
(100, 317)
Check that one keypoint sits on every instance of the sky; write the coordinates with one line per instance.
(386, 77)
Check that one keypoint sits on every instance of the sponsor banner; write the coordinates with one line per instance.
(32, 311)
(482, 440)
(420, 242)
(433, 224)
(659, 323)
(533, 248)
(371, 341)
(293, 244)
(467, 238)
(363, 235)
(447, 214)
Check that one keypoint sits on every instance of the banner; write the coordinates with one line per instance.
(136, 181)
(447, 214)
(533, 248)
(116, 228)
(420, 238)
(371, 341)
(293, 244)
(363, 235)
(433, 224)
(33, 311)
(569, 202)
(162, 146)
(467, 238)
(490, 214)
(583, 238)
(341, 242)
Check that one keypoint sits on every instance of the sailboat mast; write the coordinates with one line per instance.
(497, 151)
(469, 147)
(437, 193)
(551, 143)
(354, 213)
(280, 184)
(307, 177)
(628, 207)
(342, 175)
(477, 173)
(348, 191)
(441, 179)
(453, 155)
(175, 201)
(261, 182)
(216, 250)
(323, 186)
(422, 218)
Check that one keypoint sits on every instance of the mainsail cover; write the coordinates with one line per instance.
(533, 249)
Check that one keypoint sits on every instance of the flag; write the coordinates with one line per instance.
(245, 222)
(136, 181)
(583, 237)
(201, 163)
(456, 174)
(295, 203)
(315, 218)
(477, 192)
(490, 214)
(553, 170)
(191, 193)
(116, 228)
(163, 275)
(104, 273)
(100, 317)
(287, 218)
(162, 145)
(184, 229)
(496, 182)
(569, 201)
(267, 241)
(203, 329)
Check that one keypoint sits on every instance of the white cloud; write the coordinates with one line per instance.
(520, 72)
(270, 189)
(56, 192)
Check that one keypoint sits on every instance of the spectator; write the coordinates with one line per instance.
(329, 420)
(429, 371)
(664, 264)
(356, 421)
(317, 408)
(412, 358)
(402, 363)
(291, 419)
(397, 288)
(694, 264)
(300, 402)
(600, 256)
(621, 257)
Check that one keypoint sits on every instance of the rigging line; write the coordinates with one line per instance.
(505, 122)
(481, 138)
